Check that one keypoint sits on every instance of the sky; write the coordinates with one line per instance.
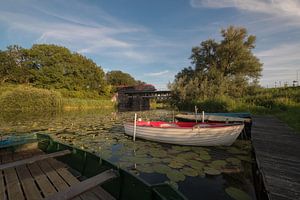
(152, 40)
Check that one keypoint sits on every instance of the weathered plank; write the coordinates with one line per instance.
(30, 189)
(2, 187)
(41, 179)
(102, 194)
(13, 185)
(83, 186)
(34, 159)
(277, 151)
(54, 177)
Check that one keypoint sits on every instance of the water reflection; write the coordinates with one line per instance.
(209, 173)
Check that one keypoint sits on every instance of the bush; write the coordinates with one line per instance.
(25, 99)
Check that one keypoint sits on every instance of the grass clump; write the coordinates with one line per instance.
(27, 99)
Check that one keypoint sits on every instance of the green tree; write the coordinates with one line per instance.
(220, 68)
(119, 78)
(60, 68)
(14, 65)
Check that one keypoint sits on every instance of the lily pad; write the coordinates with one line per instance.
(204, 155)
(189, 171)
(233, 160)
(237, 194)
(175, 164)
(175, 176)
(211, 171)
(218, 164)
(195, 164)
(162, 169)
(145, 168)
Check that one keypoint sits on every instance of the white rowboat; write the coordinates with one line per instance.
(186, 133)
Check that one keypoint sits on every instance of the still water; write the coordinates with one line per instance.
(198, 172)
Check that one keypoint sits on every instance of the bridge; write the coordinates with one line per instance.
(137, 98)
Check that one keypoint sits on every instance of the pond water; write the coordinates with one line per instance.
(198, 172)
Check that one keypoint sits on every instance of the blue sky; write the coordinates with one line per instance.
(152, 40)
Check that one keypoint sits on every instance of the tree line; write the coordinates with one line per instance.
(56, 67)
(219, 68)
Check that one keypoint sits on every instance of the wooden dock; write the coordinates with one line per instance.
(40, 179)
(277, 150)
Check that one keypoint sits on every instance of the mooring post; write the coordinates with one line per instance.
(202, 116)
(134, 126)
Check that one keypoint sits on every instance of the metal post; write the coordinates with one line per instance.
(134, 126)
(202, 116)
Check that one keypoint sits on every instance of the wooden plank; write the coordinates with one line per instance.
(83, 186)
(53, 176)
(13, 185)
(2, 187)
(64, 173)
(30, 189)
(102, 194)
(70, 179)
(34, 159)
(44, 184)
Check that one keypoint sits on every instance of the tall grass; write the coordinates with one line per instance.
(283, 103)
(83, 104)
(26, 98)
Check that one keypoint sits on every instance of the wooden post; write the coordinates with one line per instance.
(134, 126)
(196, 109)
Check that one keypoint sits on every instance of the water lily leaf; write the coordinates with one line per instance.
(204, 155)
(162, 169)
(180, 159)
(145, 168)
(189, 171)
(188, 155)
(211, 171)
(218, 164)
(175, 176)
(195, 164)
(233, 160)
(175, 164)
(235, 150)
(237, 194)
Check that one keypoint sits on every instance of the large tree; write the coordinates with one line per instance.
(119, 78)
(50, 66)
(226, 67)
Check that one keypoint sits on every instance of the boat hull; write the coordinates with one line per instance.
(204, 136)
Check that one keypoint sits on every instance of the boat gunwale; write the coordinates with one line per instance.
(224, 125)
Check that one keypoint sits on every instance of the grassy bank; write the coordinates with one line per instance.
(25, 98)
(283, 103)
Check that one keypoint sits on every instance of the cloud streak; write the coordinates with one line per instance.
(106, 36)
(158, 73)
(287, 9)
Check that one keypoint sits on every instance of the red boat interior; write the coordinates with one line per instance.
(162, 124)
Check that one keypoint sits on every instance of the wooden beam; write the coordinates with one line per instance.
(83, 186)
(34, 159)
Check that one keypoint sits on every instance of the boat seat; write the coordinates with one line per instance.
(84, 186)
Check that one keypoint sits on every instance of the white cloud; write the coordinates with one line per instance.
(289, 9)
(158, 73)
